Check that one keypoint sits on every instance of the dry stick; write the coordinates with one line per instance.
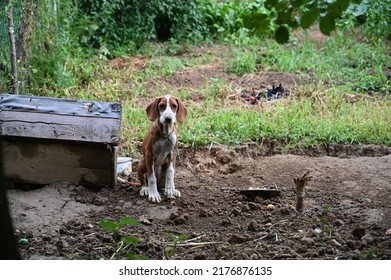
(301, 182)
(130, 184)
(11, 32)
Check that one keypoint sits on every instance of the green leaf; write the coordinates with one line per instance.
(271, 3)
(282, 35)
(327, 24)
(109, 225)
(337, 8)
(131, 240)
(182, 237)
(129, 221)
(309, 18)
(169, 235)
(343, 4)
(170, 251)
(284, 16)
(300, 3)
(257, 22)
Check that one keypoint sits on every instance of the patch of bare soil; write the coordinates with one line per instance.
(199, 77)
(347, 214)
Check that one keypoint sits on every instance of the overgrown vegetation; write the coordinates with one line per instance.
(75, 46)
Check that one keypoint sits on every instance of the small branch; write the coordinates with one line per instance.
(195, 238)
(185, 244)
(301, 182)
(116, 252)
(130, 184)
(11, 33)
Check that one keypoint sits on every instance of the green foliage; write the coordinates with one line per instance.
(65, 63)
(236, 20)
(372, 253)
(303, 122)
(351, 66)
(114, 227)
(169, 251)
(163, 66)
(325, 213)
(57, 60)
(378, 18)
(233, 20)
(245, 62)
(120, 23)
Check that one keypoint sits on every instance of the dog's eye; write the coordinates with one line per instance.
(174, 106)
(162, 106)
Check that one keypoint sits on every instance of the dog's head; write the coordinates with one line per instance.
(168, 109)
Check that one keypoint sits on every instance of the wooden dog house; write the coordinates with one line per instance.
(47, 140)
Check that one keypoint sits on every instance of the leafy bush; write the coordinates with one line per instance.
(237, 20)
(131, 23)
(377, 17)
(57, 61)
(231, 20)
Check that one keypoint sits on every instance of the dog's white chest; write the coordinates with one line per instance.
(162, 148)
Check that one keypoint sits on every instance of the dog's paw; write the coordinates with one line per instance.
(171, 193)
(144, 191)
(154, 197)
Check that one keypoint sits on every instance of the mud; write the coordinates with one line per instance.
(347, 214)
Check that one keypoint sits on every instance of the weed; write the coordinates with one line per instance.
(129, 241)
(163, 66)
(325, 213)
(170, 250)
(244, 63)
(372, 253)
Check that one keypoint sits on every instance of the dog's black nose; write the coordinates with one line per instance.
(168, 120)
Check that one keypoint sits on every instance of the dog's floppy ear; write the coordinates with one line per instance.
(182, 111)
(152, 110)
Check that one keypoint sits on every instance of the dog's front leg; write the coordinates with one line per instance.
(169, 188)
(153, 194)
(151, 189)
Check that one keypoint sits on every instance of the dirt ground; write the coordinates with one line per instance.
(347, 213)
(347, 210)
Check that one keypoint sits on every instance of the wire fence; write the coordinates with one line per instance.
(26, 15)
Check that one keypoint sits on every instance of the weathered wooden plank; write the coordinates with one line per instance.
(59, 127)
(59, 106)
(54, 161)
(46, 140)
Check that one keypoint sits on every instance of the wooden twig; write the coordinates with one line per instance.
(190, 244)
(301, 182)
(118, 249)
(130, 184)
(11, 32)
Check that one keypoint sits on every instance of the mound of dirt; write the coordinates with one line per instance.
(347, 214)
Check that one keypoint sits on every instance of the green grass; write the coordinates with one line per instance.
(301, 122)
(316, 118)
(321, 111)
(342, 61)
(245, 62)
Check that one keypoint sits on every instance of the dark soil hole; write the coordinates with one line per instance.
(163, 27)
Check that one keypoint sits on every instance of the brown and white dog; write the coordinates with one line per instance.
(158, 163)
